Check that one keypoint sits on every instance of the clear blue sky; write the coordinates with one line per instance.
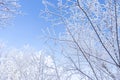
(27, 28)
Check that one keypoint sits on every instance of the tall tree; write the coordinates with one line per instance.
(91, 42)
(26, 64)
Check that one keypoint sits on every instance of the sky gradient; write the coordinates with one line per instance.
(26, 28)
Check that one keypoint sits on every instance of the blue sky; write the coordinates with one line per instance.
(27, 28)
